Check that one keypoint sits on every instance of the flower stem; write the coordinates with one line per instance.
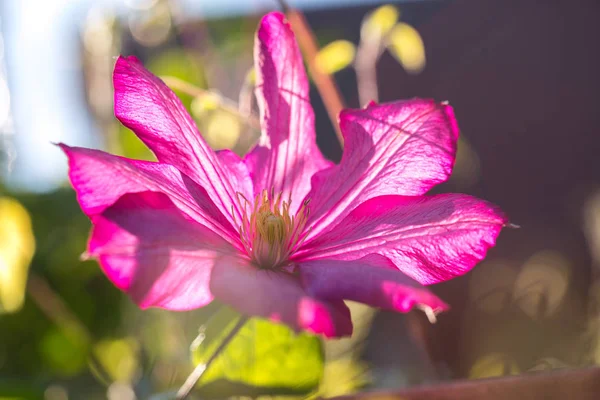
(197, 373)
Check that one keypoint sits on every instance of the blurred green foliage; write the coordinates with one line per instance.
(66, 299)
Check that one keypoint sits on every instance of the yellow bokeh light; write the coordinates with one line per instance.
(205, 103)
(336, 56)
(119, 358)
(379, 22)
(490, 286)
(492, 365)
(406, 45)
(542, 283)
(223, 130)
(151, 26)
(17, 245)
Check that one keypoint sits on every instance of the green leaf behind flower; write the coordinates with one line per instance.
(263, 358)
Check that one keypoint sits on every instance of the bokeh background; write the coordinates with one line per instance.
(522, 76)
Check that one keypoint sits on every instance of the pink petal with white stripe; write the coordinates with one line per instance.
(287, 155)
(399, 148)
(100, 179)
(372, 280)
(144, 104)
(156, 254)
(429, 238)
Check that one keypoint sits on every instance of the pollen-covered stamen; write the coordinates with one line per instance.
(267, 230)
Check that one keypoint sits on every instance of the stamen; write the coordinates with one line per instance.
(268, 231)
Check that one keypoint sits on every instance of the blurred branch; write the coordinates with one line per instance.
(197, 373)
(53, 306)
(225, 103)
(325, 84)
(365, 65)
(583, 384)
(57, 311)
(374, 33)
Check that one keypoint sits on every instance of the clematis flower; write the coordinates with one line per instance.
(282, 233)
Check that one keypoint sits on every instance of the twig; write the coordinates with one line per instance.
(54, 307)
(225, 103)
(325, 84)
(58, 311)
(368, 53)
(197, 373)
(365, 66)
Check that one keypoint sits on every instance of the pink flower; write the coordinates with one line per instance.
(283, 233)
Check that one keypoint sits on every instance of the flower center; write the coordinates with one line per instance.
(271, 228)
(267, 230)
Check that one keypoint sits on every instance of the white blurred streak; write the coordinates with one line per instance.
(7, 153)
(4, 103)
(43, 61)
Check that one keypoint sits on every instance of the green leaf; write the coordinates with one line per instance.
(263, 358)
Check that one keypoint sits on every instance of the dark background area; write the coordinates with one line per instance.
(522, 78)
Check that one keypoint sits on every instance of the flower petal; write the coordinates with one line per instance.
(400, 148)
(156, 254)
(277, 296)
(287, 154)
(100, 179)
(372, 280)
(144, 104)
(429, 238)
